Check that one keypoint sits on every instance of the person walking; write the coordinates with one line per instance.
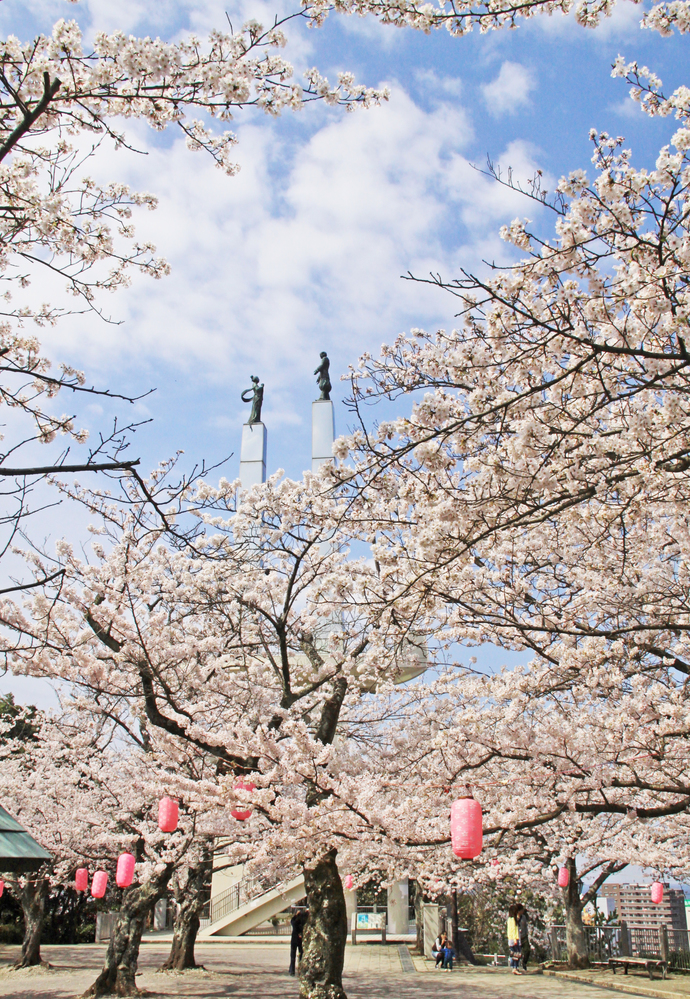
(523, 931)
(513, 934)
(297, 923)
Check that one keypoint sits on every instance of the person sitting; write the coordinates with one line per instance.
(439, 950)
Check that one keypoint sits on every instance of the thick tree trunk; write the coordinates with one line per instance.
(33, 898)
(181, 954)
(575, 939)
(190, 898)
(119, 970)
(325, 934)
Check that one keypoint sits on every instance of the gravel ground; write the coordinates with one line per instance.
(259, 971)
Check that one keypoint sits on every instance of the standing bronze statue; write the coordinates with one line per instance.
(323, 380)
(255, 395)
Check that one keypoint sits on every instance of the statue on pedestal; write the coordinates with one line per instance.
(323, 380)
(255, 395)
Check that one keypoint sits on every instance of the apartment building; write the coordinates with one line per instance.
(633, 903)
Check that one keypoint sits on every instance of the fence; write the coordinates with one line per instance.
(621, 940)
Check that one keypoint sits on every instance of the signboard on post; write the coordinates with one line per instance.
(368, 922)
(371, 920)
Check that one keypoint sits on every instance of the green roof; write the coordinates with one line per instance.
(18, 850)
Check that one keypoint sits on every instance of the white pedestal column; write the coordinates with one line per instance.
(253, 455)
(398, 907)
(430, 911)
(322, 433)
(160, 913)
(350, 905)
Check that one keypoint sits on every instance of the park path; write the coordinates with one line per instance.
(258, 971)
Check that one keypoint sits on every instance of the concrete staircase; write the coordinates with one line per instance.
(248, 904)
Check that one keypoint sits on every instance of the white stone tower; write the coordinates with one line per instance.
(322, 433)
(253, 454)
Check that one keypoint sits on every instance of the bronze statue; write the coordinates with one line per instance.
(324, 382)
(255, 395)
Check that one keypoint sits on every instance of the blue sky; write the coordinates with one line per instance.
(303, 250)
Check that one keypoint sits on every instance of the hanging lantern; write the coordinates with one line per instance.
(2, 887)
(466, 828)
(125, 870)
(239, 813)
(657, 892)
(99, 884)
(81, 879)
(168, 811)
(348, 882)
(563, 877)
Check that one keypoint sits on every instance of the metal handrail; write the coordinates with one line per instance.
(238, 895)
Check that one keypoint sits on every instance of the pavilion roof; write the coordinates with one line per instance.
(18, 850)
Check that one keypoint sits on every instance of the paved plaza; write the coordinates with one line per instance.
(257, 970)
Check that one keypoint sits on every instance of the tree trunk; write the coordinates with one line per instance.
(452, 910)
(461, 943)
(190, 898)
(119, 970)
(181, 954)
(325, 934)
(575, 939)
(33, 898)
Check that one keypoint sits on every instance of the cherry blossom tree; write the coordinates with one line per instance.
(50, 790)
(190, 884)
(249, 656)
(535, 498)
(592, 775)
(460, 18)
(86, 802)
(239, 653)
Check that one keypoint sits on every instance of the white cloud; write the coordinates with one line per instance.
(444, 87)
(510, 90)
(302, 250)
(623, 22)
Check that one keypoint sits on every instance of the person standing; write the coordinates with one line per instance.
(523, 931)
(448, 955)
(514, 938)
(297, 923)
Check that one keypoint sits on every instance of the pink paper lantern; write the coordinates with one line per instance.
(239, 813)
(348, 882)
(125, 870)
(99, 884)
(81, 879)
(657, 892)
(563, 877)
(466, 828)
(168, 812)
(2, 887)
